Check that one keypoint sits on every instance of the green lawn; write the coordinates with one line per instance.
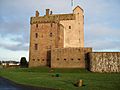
(44, 78)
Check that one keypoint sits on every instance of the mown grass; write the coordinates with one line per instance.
(43, 77)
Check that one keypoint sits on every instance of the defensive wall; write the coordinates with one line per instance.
(104, 61)
(69, 57)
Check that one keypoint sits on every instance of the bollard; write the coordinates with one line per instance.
(79, 83)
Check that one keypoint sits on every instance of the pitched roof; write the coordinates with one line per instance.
(78, 7)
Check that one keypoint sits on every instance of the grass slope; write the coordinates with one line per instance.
(43, 77)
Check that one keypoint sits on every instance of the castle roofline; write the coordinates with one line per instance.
(78, 7)
(53, 15)
(52, 18)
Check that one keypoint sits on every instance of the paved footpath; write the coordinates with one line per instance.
(6, 84)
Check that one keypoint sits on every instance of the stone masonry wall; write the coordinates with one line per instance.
(105, 61)
(48, 36)
(69, 57)
(74, 30)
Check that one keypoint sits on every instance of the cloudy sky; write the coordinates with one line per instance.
(102, 24)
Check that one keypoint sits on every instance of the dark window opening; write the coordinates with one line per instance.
(36, 25)
(51, 25)
(58, 59)
(36, 46)
(33, 59)
(50, 34)
(71, 58)
(36, 35)
(78, 58)
(69, 27)
(65, 59)
(42, 59)
(38, 59)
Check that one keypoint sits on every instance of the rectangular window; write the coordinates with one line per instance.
(33, 59)
(36, 25)
(78, 58)
(50, 34)
(69, 27)
(51, 24)
(36, 35)
(36, 46)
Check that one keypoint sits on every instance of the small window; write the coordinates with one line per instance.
(65, 59)
(36, 46)
(38, 59)
(58, 59)
(50, 34)
(69, 27)
(78, 58)
(36, 35)
(72, 59)
(33, 59)
(51, 24)
(36, 25)
(42, 59)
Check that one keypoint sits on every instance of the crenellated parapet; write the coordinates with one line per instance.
(52, 18)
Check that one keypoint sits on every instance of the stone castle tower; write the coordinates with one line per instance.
(54, 31)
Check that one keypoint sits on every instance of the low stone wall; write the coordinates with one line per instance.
(104, 61)
(69, 57)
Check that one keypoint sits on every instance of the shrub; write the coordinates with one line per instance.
(23, 62)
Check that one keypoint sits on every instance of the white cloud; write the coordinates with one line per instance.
(102, 20)
(13, 55)
(102, 37)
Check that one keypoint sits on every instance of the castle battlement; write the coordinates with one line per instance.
(56, 18)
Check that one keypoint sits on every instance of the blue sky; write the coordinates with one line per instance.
(102, 24)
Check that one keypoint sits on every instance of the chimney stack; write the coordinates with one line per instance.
(37, 14)
(47, 12)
